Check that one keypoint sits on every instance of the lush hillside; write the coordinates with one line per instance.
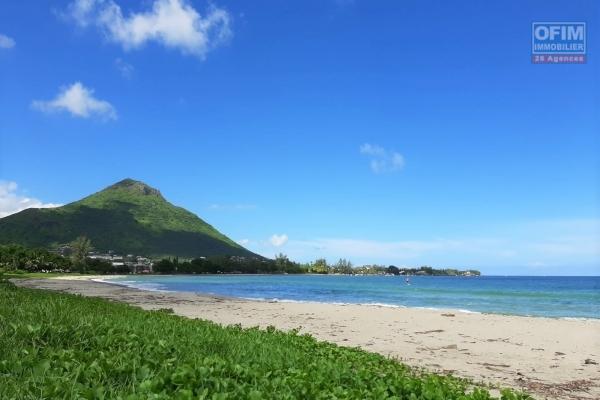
(127, 217)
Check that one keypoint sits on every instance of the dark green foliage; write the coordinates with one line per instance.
(95, 266)
(19, 258)
(442, 272)
(343, 266)
(127, 217)
(228, 265)
(80, 248)
(424, 270)
(14, 257)
(164, 266)
(69, 347)
(392, 269)
(320, 266)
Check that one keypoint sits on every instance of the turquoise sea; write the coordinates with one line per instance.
(574, 297)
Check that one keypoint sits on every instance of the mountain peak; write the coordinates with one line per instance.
(134, 186)
(128, 217)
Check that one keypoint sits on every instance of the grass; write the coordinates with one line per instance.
(60, 346)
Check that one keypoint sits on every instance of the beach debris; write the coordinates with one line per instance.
(559, 353)
(505, 340)
(589, 361)
(485, 364)
(556, 390)
(448, 315)
(431, 331)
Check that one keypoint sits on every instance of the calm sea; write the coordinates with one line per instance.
(575, 297)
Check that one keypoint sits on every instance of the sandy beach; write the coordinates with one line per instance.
(550, 358)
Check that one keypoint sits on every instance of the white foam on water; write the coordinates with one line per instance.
(460, 310)
(468, 311)
(151, 287)
(428, 308)
(383, 305)
(337, 303)
(578, 319)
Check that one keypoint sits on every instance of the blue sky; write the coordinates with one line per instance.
(410, 133)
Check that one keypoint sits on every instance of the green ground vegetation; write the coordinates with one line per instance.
(61, 346)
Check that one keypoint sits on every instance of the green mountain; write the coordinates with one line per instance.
(128, 217)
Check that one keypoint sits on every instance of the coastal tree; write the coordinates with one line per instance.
(81, 247)
(282, 261)
(16, 257)
(319, 266)
(343, 266)
(392, 269)
(164, 266)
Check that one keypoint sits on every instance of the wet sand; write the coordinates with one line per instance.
(551, 358)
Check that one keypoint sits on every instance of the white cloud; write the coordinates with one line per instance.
(243, 242)
(278, 240)
(551, 247)
(79, 101)
(11, 201)
(497, 253)
(172, 23)
(372, 150)
(375, 251)
(124, 68)
(6, 42)
(81, 11)
(382, 160)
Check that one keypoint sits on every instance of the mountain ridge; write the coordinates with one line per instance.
(128, 216)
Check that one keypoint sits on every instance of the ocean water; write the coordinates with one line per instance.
(571, 297)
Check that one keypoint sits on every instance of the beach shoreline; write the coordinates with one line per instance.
(553, 358)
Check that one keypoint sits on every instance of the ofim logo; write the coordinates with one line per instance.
(558, 42)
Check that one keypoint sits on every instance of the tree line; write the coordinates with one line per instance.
(241, 265)
(227, 265)
(16, 257)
